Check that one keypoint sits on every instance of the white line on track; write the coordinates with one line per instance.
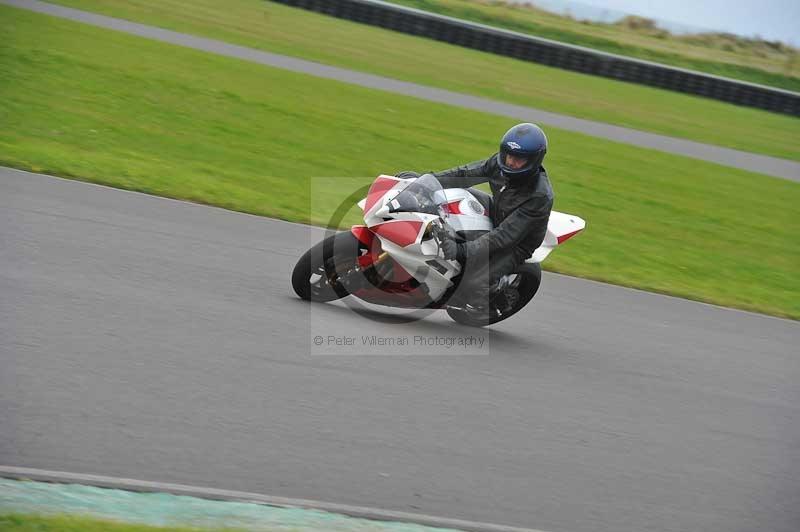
(257, 498)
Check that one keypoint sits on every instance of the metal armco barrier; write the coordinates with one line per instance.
(552, 53)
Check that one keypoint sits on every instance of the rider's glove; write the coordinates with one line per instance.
(452, 250)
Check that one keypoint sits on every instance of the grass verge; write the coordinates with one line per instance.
(69, 523)
(273, 27)
(110, 108)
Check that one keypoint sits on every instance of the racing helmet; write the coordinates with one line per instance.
(526, 141)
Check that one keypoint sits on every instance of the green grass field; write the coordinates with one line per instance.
(274, 27)
(110, 108)
(739, 58)
(68, 523)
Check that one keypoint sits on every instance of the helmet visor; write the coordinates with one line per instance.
(517, 162)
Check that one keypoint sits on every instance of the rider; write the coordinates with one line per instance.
(519, 209)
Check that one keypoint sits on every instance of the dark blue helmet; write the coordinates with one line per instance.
(523, 141)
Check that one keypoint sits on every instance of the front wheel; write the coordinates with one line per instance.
(506, 302)
(314, 276)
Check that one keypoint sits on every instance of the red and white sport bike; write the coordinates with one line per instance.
(395, 260)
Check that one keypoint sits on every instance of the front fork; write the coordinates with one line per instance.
(363, 272)
(362, 275)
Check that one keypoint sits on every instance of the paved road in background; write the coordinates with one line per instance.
(738, 159)
(147, 338)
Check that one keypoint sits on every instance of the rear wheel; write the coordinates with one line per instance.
(315, 274)
(506, 302)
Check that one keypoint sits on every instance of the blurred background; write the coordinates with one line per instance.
(98, 105)
(160, 340)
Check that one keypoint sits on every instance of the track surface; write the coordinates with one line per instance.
(147, 338)
(773, 166)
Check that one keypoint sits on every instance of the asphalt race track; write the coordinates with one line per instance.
(153, 339)
(773, 166)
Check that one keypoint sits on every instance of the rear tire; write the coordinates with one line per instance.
(319, 266)
(530, 279)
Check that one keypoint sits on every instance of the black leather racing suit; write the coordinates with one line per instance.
(519, 211)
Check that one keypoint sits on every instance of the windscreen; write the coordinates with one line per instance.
(423, 195)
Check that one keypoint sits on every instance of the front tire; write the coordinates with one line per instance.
(530, 277)
(314, 275)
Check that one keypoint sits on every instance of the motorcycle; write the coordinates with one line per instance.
(395, 259)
